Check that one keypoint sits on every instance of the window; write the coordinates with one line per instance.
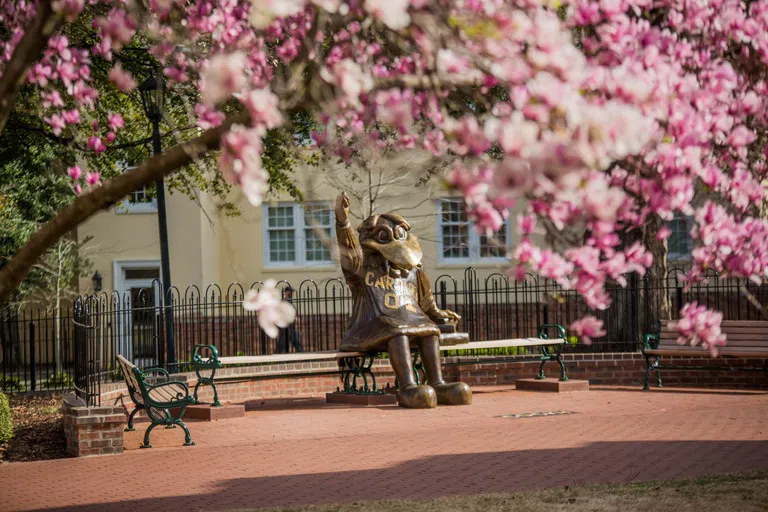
(138, 201)
(460, 242)
(679, 241)
(298, 234)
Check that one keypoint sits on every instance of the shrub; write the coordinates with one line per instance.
(59, 381)
(6, 424)
(9, 383)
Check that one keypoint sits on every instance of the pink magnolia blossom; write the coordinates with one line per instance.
(71, 116)
(95, 144)
(393, 13)
(264, 108)
(224, 76)
(122, 79)
(272, 313)
(92, 178)
(350, 78)
(264, 12)
(700, 326)
(115, 121)
(74, 172)
(587, 328)
(527, 224)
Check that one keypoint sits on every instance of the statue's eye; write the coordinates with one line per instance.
(401, 233)
(382, 236)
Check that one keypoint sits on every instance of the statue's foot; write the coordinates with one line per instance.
(455, 393)
(417, 397)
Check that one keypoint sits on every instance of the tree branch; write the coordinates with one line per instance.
(33, 42)
(86, 205)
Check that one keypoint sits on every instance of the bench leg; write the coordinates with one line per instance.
(652, 364)
(201, 381)
(130, 419)
(540, 375)
(187, 437)
(146, 436)
(563, 376)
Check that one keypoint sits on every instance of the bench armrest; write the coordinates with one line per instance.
(650, 342)
(543, 328)
(212, 359)
(181, 397)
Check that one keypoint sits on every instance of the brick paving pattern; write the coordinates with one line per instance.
(290, 453)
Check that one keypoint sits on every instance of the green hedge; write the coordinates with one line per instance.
(9, 383)
(6, 424)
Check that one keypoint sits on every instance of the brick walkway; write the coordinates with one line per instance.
(303, 451)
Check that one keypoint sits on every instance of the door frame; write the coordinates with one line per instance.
(125, 342)
(118, 266)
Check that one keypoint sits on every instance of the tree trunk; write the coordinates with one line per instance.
(57, 311)
(656, 302)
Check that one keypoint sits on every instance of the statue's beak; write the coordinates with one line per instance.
(404, 254)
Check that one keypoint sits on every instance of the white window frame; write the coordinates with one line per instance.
(474, 241)
(127, 206)
(679, 256)
(299, 229)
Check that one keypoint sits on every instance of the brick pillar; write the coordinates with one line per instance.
(92, 430)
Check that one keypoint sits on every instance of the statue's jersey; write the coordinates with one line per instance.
(385, 307)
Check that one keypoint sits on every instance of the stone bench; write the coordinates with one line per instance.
(746, 339)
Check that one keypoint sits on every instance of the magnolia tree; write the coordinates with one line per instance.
(606, 114)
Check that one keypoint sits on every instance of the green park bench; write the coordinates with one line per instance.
(747, 339)
(164, 403)
(355, 367)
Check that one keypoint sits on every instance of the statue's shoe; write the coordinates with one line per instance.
(455, 393)
(417, 397)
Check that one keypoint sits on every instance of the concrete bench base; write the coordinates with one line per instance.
(552, 385)
(340, 397)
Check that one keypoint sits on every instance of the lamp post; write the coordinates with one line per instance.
(152, 97)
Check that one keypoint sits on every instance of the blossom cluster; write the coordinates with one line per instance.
(700, 326)
(600, 115)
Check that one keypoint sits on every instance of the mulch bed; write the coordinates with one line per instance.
(38, 430)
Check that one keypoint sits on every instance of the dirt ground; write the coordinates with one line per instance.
(38, 430)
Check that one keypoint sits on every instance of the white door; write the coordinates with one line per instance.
(139, 323)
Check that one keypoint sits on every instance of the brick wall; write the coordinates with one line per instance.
(92, 430)
(625, 369)
(306, 379)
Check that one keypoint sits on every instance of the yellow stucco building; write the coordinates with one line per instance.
(285, 240)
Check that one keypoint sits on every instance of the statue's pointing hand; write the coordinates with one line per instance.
(342, 208)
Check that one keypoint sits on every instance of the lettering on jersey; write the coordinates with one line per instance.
(400, 294)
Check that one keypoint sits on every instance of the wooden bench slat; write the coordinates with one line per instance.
(705, 353)
(731, 342)
(744, 323)
(287, 358)
(510, 343)
(333, 354)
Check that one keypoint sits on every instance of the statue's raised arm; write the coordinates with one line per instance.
(350, 252)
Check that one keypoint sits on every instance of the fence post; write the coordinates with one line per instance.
(32, 356)
(443, 295)
(634, 314)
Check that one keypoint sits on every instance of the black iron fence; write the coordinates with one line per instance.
(77, 348)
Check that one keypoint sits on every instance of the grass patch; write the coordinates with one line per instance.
(743, 492)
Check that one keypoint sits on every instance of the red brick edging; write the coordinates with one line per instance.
(92, 430)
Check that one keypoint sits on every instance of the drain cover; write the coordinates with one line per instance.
(534, 414)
